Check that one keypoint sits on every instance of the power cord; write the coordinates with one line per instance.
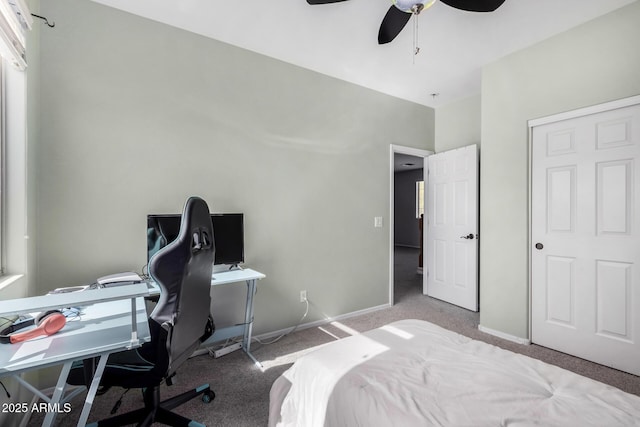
(119, 402)
(304, 316)
(145, 275)
(5, 390)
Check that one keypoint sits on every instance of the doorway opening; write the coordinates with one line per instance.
(407, 169)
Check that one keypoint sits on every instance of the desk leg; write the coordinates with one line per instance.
(248, 321)
(91, 393)
(58, 394)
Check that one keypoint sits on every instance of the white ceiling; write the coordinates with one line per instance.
(340, 39)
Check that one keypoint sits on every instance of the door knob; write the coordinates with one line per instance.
(468, 236)
(539, 246)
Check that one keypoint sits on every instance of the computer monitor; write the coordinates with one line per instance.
(228, 235)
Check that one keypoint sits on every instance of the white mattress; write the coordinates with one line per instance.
(414, 373)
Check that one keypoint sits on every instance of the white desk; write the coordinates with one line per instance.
(102, 328)
(245, 329)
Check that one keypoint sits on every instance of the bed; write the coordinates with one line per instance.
(415, 373)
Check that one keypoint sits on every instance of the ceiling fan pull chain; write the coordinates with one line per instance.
(416, 48)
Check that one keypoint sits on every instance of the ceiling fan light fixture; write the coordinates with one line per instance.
(413, 6)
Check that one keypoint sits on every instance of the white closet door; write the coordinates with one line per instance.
(451, 240)
(585, 229)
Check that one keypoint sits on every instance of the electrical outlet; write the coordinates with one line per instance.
(303, 296)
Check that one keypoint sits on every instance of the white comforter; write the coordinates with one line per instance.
(414, 373)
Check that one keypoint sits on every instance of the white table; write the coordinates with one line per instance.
(101, 329)
(250, 277)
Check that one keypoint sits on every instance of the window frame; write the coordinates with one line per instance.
(3, 168)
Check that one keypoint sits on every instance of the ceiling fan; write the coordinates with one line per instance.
(401, 11)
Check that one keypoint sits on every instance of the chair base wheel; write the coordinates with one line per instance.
(208, 396)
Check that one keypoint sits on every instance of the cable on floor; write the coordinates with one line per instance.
(304, 316)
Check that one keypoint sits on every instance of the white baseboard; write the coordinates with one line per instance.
(321, 322)
(504, 336)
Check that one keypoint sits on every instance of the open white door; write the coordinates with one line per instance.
(451, 238)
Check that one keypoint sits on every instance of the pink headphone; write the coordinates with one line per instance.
(47, 323)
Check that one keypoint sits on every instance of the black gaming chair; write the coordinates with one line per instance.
(177, 324)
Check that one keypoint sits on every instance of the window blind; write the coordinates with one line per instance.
(15, 19)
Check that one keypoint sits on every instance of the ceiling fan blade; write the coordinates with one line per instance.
(323, 1)
(393, 22)
(474, 5)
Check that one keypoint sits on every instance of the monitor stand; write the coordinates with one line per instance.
(220, 268)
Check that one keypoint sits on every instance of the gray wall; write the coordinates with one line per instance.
(136, 116)
(593, 63)
(406, 231)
